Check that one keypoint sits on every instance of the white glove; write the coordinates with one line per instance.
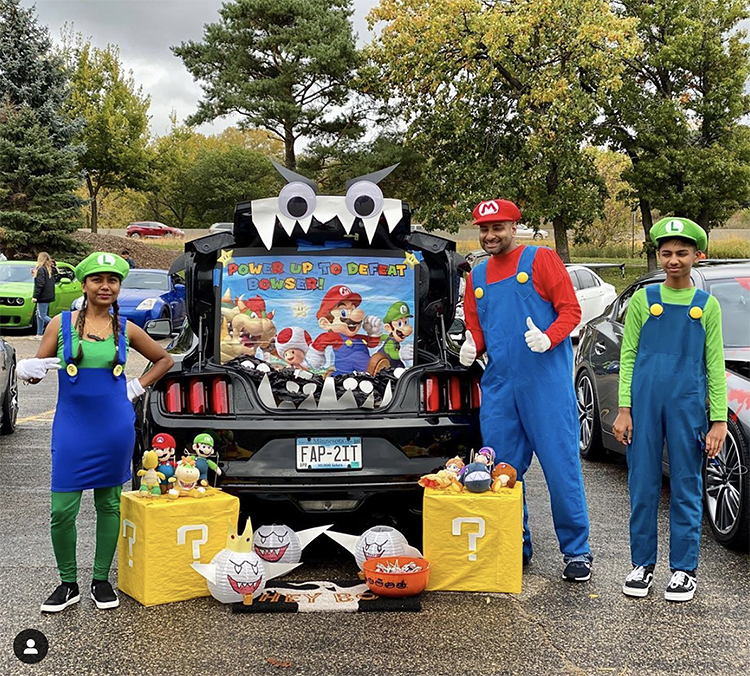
(535, 338)
(468, 354)
(373, 325)
(36, 368)
(135, 389)
(315, 358)
(406, 353)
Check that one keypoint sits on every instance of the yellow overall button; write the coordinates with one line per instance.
(348, 342)
(522, 277)
(117, 370)
(696, 312)
(72, 369)
(656, 309)
(479, 292)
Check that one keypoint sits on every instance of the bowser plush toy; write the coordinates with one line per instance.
(185, 481)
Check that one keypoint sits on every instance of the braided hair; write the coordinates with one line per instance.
(80, 326)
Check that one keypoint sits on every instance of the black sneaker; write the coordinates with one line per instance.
(682, 586)
(103, 594)
(639, 581)
(65, 595)
(577, 569)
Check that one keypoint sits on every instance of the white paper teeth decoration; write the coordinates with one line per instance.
(308, 404)
(369, 402)
(366, 386)
(265, 212)
(287, 223)
(286, 405)
(328, 207)
(265, 392)
(387, 396)
(393, 212)
(347, 400)
(328, 399)
(347, 221)
(305, 223)
(371, 225)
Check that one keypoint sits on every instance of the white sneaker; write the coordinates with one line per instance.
(681, 587)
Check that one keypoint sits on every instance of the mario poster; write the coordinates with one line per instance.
(345, 314)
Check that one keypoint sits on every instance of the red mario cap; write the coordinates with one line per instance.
(335, 295)
(163, 441)
(494, 211)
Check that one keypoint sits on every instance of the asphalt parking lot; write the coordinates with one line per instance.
(551, 628)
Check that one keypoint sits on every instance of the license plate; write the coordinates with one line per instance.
(329, 453)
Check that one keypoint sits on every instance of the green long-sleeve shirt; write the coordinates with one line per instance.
(638, 313)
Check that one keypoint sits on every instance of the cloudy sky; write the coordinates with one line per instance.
(144, 30)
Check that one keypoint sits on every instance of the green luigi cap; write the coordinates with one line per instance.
(673, 226)
(204, 438)
(398, 310)
(101, 261)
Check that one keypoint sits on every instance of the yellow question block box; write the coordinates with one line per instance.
(474, 541)
(161, 538)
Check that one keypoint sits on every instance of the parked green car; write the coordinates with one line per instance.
(17, 285)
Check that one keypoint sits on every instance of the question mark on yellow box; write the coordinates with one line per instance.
(459, 521)
(182, 532)
(131, 539)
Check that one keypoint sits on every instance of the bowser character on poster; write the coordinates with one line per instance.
(341, 319)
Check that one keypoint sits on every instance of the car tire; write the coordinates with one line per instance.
(726, 491)
(590, 438)
(10, 403)
(135, 235)
(538, 235)
(166, 314)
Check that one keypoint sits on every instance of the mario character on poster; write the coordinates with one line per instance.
(346, 314)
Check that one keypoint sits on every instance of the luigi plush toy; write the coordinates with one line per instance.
(203, 449)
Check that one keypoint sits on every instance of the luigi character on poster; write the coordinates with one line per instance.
(394, 353)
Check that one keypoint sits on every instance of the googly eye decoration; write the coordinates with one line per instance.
(298, 203)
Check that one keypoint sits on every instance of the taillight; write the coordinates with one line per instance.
(476, 393)
(196, 396)
(431, 394)
(219, 396)
(174, 397)
(454, 393)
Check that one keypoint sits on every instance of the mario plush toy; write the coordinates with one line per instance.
(165, 447)
(341, 318)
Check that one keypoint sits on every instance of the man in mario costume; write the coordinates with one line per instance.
(520, 307)
(341, 318)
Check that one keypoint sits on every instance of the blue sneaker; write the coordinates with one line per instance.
(577, 569)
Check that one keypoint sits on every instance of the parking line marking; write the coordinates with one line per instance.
(38, 416)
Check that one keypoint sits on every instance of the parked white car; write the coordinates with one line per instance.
(221, 227)
(593, 293)
(525, 232)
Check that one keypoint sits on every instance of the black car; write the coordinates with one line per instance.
(316, 354)
(726, 482)
(8, 388)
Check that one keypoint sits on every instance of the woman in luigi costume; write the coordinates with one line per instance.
(93, 432)
(671, 361)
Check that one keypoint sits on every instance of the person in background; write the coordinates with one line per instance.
(128, 258)
(44, 291)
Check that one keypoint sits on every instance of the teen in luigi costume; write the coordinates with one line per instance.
(672, 356)
(93, 431)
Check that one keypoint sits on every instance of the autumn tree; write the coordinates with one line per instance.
(113, 117)
(283, 65)
(679, 115)
(535, 70)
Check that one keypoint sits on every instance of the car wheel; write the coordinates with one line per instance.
(165, 314)
(726, 491)
(168, 235)
(135, 235)
(538, 235)
(590, 439)
(10, 403)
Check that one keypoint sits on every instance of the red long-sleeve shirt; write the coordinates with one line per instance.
(551, 281)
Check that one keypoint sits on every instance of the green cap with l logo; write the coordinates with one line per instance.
(101, 261)
(674, 226)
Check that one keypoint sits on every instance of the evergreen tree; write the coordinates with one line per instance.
(38, 209)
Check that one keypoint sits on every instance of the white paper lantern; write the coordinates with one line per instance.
(277, 544)
(237, 574)
(380, 541)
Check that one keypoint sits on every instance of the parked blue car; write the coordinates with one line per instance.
(150, 294)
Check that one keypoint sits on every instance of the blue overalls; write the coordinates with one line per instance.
(93, 433)
(351, 356)
(528, 402)
(668, 401)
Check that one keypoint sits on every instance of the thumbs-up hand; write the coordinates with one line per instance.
(536, 339)
(468, 353)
